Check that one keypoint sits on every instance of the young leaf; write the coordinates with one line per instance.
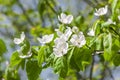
(107, 43)
(11, 74)
(33, 70)
(41, 55)
(82, 57)
(116, 60)
(3, 48)
(15, 59)
(61, 67)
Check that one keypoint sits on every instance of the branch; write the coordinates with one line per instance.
(92, 66)
(90, 3)
(47, 2)
(109, 70)
(115, 31)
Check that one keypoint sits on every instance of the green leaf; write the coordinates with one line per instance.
(26, 47)
(114, 4)
(60, 66)
(116, 60)
(3, 48)
(15, 59)
(11, 74)
(99, 42)
(33, 70)
(97, 27)
(70, 53)
(41, 55)
(82, 57)
(107, 43)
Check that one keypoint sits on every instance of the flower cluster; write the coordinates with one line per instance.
(68, 37)
(46, 39)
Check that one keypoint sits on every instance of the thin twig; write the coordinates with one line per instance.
(109, 70)
(115, 31)
(89, 3)
(92, 66)
(47, 2)
(103, 72)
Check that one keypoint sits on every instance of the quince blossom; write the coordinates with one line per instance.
(66, 34)
(46, 39)
(29, 54)
(78, 39)
(65, 19)
(61, 47)
(19, 40)
(91, 32)
(111, 22)
(101, 11)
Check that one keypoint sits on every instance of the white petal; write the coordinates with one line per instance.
(25, 56)
(17, 40)
(51, 36)
(69, 19)
(101, 11)
(59, 33)
(22, 36)
(46, 39)
(63, 16)
(91, 33)
(68, 32)
(78, 39)
(41, 41)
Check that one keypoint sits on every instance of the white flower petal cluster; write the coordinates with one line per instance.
(111, 22)
(101, 11)
(61, 47)
(19, 40)
(66, 34)
(61, 44)
(78, 39)
(91, 32)
(63, 18)
(46, 39)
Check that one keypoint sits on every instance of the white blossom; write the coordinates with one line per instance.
(66, 19)
(78, 39)
(91, 32)
(66, 34)
(19, 40)
(101, 11)
(111, 22)
(46, 39)
(119, 17)
(29, 54)
(61, 47)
